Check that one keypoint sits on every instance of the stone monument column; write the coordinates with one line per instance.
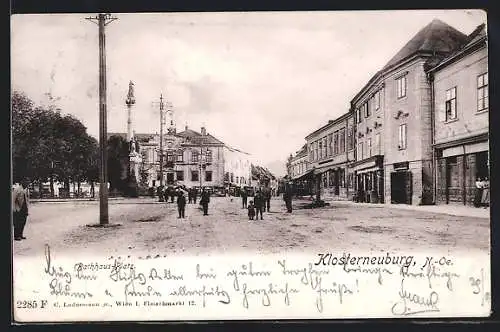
(135, 157)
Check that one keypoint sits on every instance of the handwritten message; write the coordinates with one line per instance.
(321, 285)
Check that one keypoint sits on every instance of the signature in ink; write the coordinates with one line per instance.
(408, 301)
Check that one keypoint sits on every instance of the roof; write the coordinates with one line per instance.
(330, 124)
(191, 136)
(436, 37)
(195, 137)
(473, 39)
(261, 172)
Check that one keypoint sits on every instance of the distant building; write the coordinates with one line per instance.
(190, 159)
(330, 150)
(461, 109)
(299, 172)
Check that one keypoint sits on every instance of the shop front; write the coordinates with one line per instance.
(458, 168)
(369, 180)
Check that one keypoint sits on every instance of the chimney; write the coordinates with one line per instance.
(203, 131)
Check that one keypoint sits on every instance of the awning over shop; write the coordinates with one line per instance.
(304, 176)
(369, 165)
(328, 168)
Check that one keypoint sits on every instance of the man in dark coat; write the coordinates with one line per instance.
(267, 198)
(195, 195)
(190, 195)
(20, 204)
(287, 197)
(244, 198)
(205, 199)
(259, 202)
(181, 204)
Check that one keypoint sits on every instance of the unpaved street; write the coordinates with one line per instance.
(147, 226)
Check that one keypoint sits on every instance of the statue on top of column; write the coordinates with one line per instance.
(130, 95)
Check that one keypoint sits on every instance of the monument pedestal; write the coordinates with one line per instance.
(135, 160)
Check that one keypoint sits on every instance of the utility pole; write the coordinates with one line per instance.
(102, 20)
(161, 145)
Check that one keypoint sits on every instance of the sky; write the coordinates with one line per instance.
(258, 81)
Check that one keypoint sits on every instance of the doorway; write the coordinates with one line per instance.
(401, 187)
(336, 181)
(170, 178)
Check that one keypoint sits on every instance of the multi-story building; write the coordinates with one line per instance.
(395, 108)
(368, 168)
(190, 158)
(299, 172)
(237, 168)
(330, 149)
(461, 107)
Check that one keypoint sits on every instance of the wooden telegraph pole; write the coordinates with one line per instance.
(161, 146)
(102, 20)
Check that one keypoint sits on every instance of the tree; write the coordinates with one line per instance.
(48, 146)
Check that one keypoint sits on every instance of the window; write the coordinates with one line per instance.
(316, 150)
(311, 151)
(336, 143)
(369, 147)
(358, 115)
(376, 101)
(330, 144)
(226, 176)
(342, 177)
(402, 137)
(325, 179)
(180, 156)
(367, 109)
(232, 177)
(330, 178)
(208, 176)
(180, 175)
(482, 92)
(451, 104)
(360, 151)
(401, 83)
(195, 156)
(320, 149)
(170, 156)
(350, 138)
(377, 144)
(325, 146)
(209, 156)
(342, 140)
(194, 176)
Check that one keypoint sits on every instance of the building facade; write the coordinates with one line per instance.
(330, 150)
(368, 168)
(299, 172)
(461, 109)
(190, 158)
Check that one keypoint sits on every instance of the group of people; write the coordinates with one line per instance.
(262, 202)
(192, 194)
(482, 196)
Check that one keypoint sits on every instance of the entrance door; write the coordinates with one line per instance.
(337, 182)
(401, 189)
(170, 178)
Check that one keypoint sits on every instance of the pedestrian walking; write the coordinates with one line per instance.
(259, 204)
(205, 199)
(20, 205)
(251, 211)
(190, 195)
(181, 204)
(195, 195)
(267, 199)
(160, 192)
(244, 198)
(173, 193)
(287, 197)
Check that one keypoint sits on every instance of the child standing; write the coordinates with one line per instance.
(251, 211)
